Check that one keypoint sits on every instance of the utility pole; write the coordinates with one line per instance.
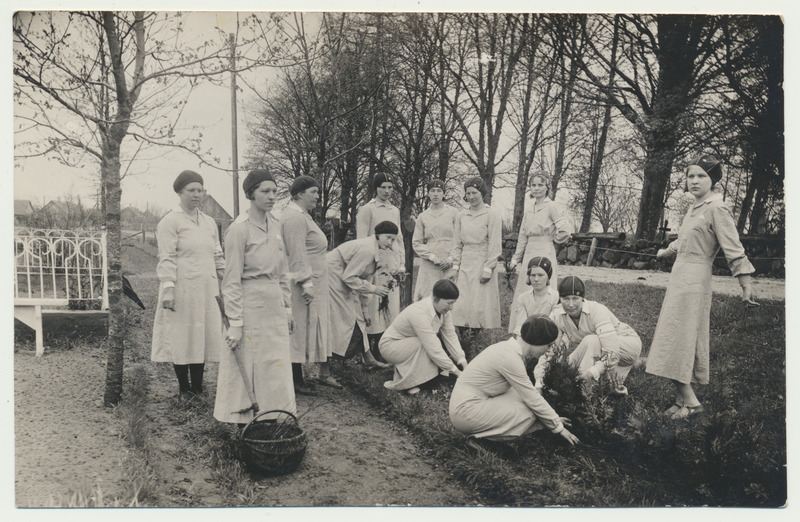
(234, 140)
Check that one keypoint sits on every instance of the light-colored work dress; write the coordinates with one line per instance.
(477, 246)
(351, 266)
(680, 348)
(412, 345)
(190, 259)
(528, 304)
(392, 260)
(433, 242)
(258, 298)
(494, 398)
(542, 227)
(306, 248)
(599, 341)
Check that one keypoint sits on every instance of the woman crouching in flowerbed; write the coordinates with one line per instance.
(494, 398)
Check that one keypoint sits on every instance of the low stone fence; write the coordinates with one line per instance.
(615, 250)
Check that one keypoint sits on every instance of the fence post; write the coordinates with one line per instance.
(591, 252)
(104, 253)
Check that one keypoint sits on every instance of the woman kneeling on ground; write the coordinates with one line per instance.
(494, 398)
(599, 343)
(421, 342)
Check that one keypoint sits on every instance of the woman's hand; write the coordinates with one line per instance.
(168, 298)
(572, 439)
(485, 278)
(444, 264)
(452, 275)
(664, 253)
(747, 296)
(308, 294)
(512, 267)
(233, 337)
(381, 290)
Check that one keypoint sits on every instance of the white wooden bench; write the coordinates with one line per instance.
(58, 272)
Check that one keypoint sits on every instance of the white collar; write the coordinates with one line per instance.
(713, 196)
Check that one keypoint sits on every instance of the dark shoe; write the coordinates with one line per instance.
(329, 381)
(305, 389)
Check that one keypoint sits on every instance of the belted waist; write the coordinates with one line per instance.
(698, 259)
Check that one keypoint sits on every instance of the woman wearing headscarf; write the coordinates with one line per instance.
(543, 225)
(258, 305)
(680, 349)
(390, 262)
(306, 247)
(477, 246)
(422, 343)
(495, 399)
(351, 266)
(433, 240)
(188, 326)
(540, 298)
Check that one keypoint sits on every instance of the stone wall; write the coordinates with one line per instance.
(765, 252)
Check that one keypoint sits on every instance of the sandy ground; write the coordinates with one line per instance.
(763, 288)
(66, 441)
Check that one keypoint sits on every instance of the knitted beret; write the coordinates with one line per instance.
(538, 330)
(302, 183)
(186, 177)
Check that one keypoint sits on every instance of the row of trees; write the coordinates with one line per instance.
(612, 105)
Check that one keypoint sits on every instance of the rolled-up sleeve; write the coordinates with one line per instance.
(728, 239)
(561, 223)
(235, 242)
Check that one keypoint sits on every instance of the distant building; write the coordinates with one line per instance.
(210, 207)
(23, 212)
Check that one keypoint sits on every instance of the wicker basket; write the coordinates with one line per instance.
(274, 446)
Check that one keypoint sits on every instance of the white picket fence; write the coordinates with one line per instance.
(58, 271)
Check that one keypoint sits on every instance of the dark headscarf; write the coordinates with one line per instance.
(435, 183)
(445, 289)
(302, 183)
(538, 330)
(386, 227)
(710, 165)
(477, 183)
(543, 263)
(255, 178)
(571, 285)
(186, 177)
(381, 178)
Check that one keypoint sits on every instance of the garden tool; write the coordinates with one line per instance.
(240, 362)
(247, 384)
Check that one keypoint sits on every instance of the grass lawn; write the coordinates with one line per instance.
(631, 455)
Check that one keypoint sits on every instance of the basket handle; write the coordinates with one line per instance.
(294, 418)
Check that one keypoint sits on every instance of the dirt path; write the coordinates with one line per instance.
(67, 441)
(763, 288)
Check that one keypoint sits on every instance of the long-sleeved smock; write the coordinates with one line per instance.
(477, 246)
(253, 251)
(412, 345)
(596, 319)
(306, 249)
(495, 398)
(432, 242)
(351, 266)
(389, 261)
(543, 226)
(190, 260)
(680, 349)
(258, 299)
(528, 304)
